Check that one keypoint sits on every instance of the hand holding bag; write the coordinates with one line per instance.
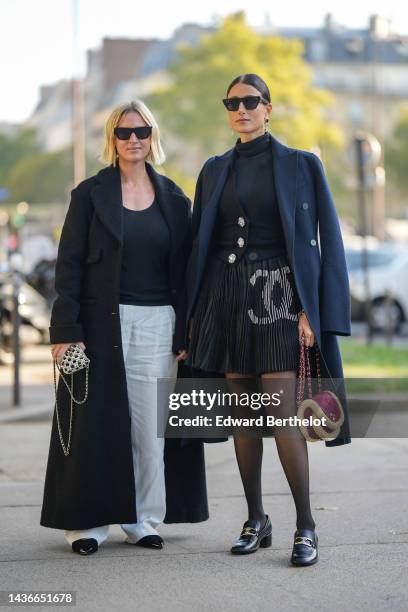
(325, 404)
(74, 360)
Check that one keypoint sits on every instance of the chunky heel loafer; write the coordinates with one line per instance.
(305, 547)
(253, 536)
(266, 541)
(85, 546)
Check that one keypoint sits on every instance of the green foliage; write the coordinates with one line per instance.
(33, 175)
(45, 177)
(13, 148)
(191, 106)
(171, 168)
(375, 360)
(30, 174)
(396, 153)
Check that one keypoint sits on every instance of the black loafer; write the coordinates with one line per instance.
(253, 536)
(305, 547)
(85, 546)
(151, 541)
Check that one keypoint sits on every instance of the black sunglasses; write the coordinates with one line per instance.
(124, 133)
(249, 102)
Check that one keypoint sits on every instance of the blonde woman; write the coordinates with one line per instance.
(121, 297)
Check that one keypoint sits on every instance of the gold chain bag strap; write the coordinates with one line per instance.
(74, 360)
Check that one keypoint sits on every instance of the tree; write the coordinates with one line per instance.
(22, 144)
(191, 105)
(396, 153)
(45, 177)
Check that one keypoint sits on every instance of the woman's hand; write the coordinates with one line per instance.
(58, 350)
(305, 330)
(182, 355)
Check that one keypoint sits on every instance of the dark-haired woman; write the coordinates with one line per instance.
(260, 282)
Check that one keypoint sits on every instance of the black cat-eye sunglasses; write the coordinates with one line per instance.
(249, 102)
(124, 133)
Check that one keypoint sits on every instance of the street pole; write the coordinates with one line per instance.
(78, 106)
(359, 144)
(16, 341)
(377, 101)
(16, 264)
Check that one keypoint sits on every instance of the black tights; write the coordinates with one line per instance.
(291, 446)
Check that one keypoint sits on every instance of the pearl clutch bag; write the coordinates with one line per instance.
(74, 360)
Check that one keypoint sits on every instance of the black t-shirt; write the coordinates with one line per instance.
(144, 278)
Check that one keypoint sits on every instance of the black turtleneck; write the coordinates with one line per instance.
(250, 189)
(254, 176)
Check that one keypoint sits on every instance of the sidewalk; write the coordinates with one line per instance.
(36, 386)
(359, 497)
(359, 500)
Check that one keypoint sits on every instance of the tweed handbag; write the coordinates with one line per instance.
(74, 361)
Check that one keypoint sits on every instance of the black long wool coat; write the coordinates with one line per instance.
(314, 247)
(94, 485)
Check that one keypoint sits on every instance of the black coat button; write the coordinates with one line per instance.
(253, 256)
(305, 205)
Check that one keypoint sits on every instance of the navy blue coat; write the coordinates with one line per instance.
(314, 247)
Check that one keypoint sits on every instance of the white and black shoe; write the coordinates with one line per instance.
(85, 546)
(151, 541)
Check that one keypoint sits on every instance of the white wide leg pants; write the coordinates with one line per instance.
(147, 334)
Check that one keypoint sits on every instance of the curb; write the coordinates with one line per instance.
(39, 411)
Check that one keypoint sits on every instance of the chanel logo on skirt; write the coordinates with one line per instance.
(275, 308)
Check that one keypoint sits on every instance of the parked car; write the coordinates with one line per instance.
(33, 307)
(388, 286)
(42, 278)
(377, 257)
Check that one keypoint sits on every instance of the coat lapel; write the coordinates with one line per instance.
(285, 163)
(107, 199)
(211, 206)
(172, 213)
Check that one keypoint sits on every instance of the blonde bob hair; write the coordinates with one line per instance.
(109, 156)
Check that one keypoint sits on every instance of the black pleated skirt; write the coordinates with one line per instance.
(246, 318)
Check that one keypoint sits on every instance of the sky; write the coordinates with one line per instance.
(37, 36)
